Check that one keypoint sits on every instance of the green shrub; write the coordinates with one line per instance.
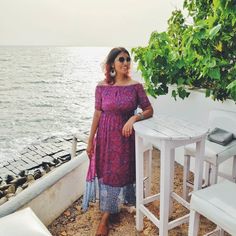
(200, 54)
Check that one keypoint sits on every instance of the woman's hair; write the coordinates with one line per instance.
(110, 60)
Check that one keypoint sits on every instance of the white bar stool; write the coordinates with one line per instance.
(22, 223)
(217, 203)
(215, 154)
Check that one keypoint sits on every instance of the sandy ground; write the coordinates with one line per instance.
(74, 222)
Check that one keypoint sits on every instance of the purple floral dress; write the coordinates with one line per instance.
(114, 153)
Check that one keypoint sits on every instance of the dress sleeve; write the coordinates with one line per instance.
(143, 100)
(98, 98)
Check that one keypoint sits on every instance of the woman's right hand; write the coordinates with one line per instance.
(90, 149)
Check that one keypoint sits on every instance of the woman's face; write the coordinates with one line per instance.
(122, 64)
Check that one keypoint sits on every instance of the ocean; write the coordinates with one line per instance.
(45, 92)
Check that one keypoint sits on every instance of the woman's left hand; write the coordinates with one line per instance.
(128, 127)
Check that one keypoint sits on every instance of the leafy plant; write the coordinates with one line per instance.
(200, 54)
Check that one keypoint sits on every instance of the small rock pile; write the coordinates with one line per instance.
(45, 157)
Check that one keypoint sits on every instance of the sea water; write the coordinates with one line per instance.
(45, 92)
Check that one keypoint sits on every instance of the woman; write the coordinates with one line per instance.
(116, 99)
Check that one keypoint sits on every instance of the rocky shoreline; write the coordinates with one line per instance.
(34, 162)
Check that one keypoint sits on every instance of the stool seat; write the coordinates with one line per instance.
(214, 153)
(22, 223)
(217, 203)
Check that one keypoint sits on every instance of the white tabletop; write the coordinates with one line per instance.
(169, 128)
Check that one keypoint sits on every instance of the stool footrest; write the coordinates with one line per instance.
(150, 215)
(180, 200)
(179, 221)
(151, 198)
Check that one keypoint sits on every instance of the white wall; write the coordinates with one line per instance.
(195, 108)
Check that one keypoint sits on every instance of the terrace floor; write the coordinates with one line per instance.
(75, 223)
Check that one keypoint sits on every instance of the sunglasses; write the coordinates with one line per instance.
(123, 59)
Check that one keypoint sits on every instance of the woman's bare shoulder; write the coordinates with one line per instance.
(132, 81)
(102, 82)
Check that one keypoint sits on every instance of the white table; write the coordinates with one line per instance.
(166, 134)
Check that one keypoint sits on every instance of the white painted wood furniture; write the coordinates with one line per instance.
(215, 154)
(166, 134)
(22, 223)
(217, 203)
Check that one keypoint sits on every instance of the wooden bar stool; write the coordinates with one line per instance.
(217, 203)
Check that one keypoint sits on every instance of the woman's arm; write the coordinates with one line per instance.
(94, 126)
(145, 114)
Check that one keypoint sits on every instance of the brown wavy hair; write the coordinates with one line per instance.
(110, 60)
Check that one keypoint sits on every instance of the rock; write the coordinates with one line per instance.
(18, 190)
(56, 161)
(25, 185)
(67, 213)
(19, 181)
(78, 208)
(3, 200)
(10, 195)
(63, 233)
(2, 194)
(65, 158)
(4, 187)
(22, 173)
(9, 178)
(30, 177)
(46, 167)
(37, 174)
(146, 231)
(11, 189)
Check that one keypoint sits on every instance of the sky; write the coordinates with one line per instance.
(83, 22)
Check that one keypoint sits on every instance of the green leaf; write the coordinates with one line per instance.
(174, 94)
(208, 93)
(214, 31)
(180, 81)
(214, 73)
(231, 88)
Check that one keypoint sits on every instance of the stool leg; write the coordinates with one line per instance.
(186, 175)
(221, 232)
(194, 216)
(193, 223)
(139, 181)
(234, 168)
(213, 174)
(207, 173)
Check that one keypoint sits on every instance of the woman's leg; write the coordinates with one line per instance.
(103, 227)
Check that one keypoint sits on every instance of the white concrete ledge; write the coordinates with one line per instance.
(50, 195)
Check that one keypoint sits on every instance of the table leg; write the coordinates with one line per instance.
(148, 170)
(165, 188)
(139, 181)
(172, 173)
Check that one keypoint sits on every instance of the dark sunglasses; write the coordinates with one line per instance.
(123, 59)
